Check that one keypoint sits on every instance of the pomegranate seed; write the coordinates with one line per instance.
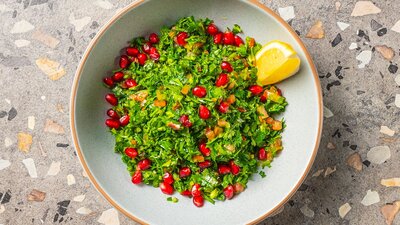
(184, 119)
(118, 76)
(124, 120)
(234, 168)
(168, 178)
(112, 123)
(229, 38)
(222, 80)
(223, 169)
(199, 91)
(196, 190)
(264, 96)
(262, 154)
(153, 38)
(124, 61)
(184, 172)
(226, 66)
(279, 91)
(186, 193)
(131, 152)
(204, 150)
(223, 107)
(212, 29)
(166, 188)
(131, 51)
(113, 114)
(142, 59)
(146, 47)
(204, 112)
(155, 56)
(129, 83)
(110, 98)
(218, 38)
(137, 177)
(181, 38)
(108, 81)
(255, 89)
(144, 164)
(238, 41)
(228, 192)
(238, 187)
(198, 201)
(205, 164)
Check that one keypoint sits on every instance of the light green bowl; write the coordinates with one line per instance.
(144, 204)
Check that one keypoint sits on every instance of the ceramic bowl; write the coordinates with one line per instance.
(144, 204)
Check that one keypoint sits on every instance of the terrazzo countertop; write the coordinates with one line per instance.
(356, 175)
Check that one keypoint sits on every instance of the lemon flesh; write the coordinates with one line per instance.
(275, 62)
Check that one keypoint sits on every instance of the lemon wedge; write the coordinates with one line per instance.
(275, 62)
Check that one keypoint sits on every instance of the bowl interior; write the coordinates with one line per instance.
(95, 144)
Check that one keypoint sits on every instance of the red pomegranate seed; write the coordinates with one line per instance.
(144, 164)
(112, 123)
(110, 98)
(223, 169)
(184, 172)
(137, 177)
(168, 178)
(131, 51)
(199, 91)
(234, 168)
(142, 59)
(255, 89)
(118, 76)
(184, 119)
(229, 38)
(198, 201)
(181, 38)
(218, 38)
(131, 152)
(124, 120)
(155, 56)
(204, 112)
(223, 107)
(124, 61)
(204, 150)
(226, 66)
(279, 92)
(146, 47)
(186, 193)
(196, 190)
(113, 114)
(222, 80)
(228, 192)
(205, 164)
(238, 41)
(108, 81)
(129, 83)
(166, 188)
(153, 38)
(264, 96)
(212, 29)
(262, 154)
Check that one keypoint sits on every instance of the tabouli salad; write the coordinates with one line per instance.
(187, 112)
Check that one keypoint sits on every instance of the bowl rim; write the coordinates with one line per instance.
(112, 21)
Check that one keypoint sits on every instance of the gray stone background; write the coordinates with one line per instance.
(360, 100)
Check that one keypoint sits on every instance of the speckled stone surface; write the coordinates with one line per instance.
(41, 42)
